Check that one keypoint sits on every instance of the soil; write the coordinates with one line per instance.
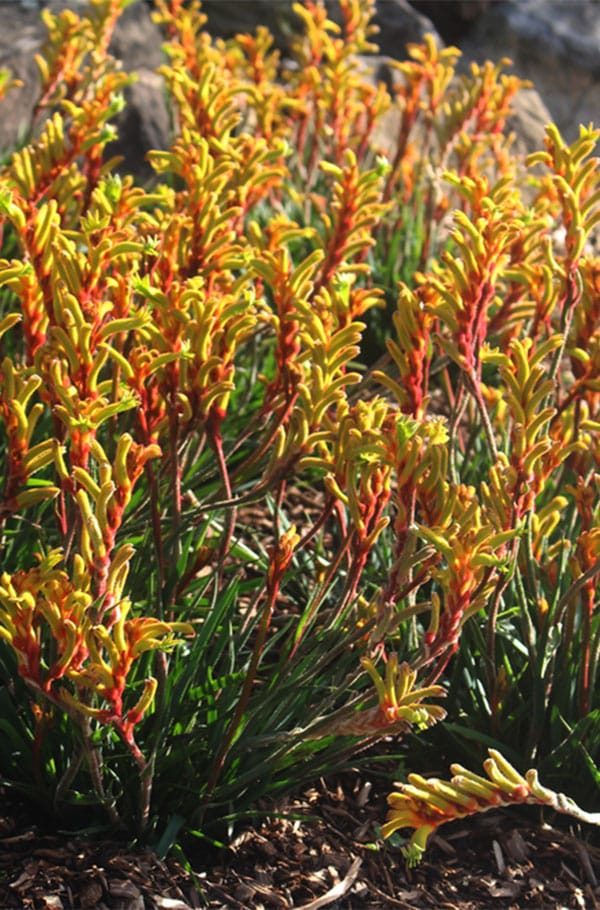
(318, 850)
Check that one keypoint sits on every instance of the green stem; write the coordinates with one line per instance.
(572, 296)
(244, 698)
(157, 535)
(458, 409)
(94, 764)
(312, 609)
(575, 588)
(530, 564)
(475, 389)
(216, 441)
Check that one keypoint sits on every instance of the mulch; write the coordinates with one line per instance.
(324, 852)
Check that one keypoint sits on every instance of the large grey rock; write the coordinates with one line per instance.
(227, 18)
(145, 123)
(20, 36)
(452, 18)
(555, 44)
(399, 24)
(137, 43)
(529, 120)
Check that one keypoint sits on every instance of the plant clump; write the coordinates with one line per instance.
(299, 438)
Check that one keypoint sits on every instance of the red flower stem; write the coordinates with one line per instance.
(458, 408)
(314, 152)
(571, 395)
(501, 585)
(441, 665)
(341, 517)
(389, 594)
(188, 577)
(429, 226)
(251, 427)
(353, 578)
(161, 667)
(257, 492)
(532, 578)
(192, 459)
(145, 769)
(41, 725)
(67, 779)
(417, 581)
(401, 144)
(529, 635)
(446, 381)
(318, 524)
(250, 611)
(72, 526)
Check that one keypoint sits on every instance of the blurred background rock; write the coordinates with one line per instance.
(554, 43)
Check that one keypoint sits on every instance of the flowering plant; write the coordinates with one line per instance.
(233, 551)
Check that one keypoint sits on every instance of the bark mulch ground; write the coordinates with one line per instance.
(329, 857)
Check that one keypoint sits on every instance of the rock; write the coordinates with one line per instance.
(20, 35)
(227, 18)
(144, 124)
(453, 18)
(399, 24)
(136, 42)
(554, 44)
(528, 121)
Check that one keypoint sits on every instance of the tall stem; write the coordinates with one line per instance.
(475, 389)
(216, 440)
(157, 535)
(316, 602)
(95, 769)
(586, 645)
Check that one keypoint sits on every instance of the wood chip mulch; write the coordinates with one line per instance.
(54, 873)
(330, 856)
